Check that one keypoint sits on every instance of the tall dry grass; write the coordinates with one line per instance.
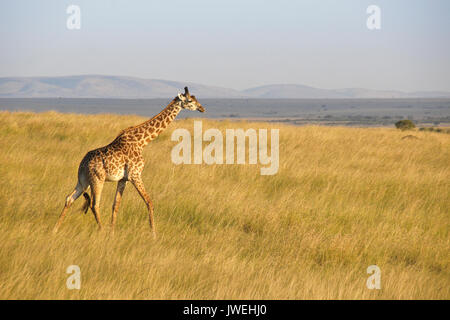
(343, 199)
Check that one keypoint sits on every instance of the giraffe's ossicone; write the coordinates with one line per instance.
(122, 161)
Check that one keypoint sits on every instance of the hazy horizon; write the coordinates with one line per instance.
(234, 45)
(239, 90)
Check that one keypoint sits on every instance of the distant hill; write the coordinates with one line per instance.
(291, 91)
(295, 91)
(100, 86)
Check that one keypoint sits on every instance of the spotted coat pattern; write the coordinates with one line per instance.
(122, 161)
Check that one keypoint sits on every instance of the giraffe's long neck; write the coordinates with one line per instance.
(145, 132)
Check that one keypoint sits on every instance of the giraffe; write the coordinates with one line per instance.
(122, 161)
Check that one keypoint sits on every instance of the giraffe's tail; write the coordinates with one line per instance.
(87, 202)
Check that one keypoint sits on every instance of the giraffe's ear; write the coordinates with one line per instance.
(181, 97)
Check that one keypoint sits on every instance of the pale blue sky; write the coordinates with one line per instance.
(236, 44)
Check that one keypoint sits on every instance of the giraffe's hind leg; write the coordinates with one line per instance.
(119, 192)
(76, 193)
(87, 202)
(96, 188)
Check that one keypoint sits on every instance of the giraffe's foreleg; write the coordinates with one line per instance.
(69, 200)
(119, 192)
(139, 185)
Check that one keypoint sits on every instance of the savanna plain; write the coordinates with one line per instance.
(342, 200)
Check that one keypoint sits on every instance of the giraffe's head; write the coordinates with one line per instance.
(189, 102)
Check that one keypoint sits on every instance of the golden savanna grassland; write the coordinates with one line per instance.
(343, 199)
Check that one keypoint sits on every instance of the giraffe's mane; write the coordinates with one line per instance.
(147, 121)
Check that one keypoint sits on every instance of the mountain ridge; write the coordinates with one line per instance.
(125, 87)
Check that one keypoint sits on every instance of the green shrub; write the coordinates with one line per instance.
(432, 129)
(405, 125)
